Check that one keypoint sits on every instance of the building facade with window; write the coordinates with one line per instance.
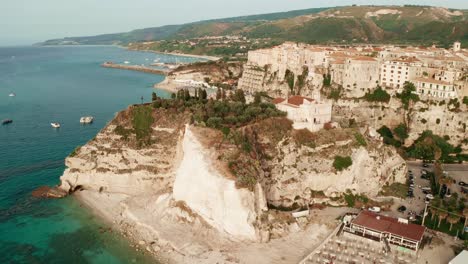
(436, 89)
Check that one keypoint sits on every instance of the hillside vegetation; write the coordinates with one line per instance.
(357, 24)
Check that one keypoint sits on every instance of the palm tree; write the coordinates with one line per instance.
(442, 215)
(452, 219)
(444, 180)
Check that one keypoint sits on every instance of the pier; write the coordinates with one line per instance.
(135, 68)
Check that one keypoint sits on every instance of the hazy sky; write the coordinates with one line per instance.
(29, 21)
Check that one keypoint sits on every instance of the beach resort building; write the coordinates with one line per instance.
(305, 112)
(391, 231)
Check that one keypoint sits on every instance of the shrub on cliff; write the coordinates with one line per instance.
(360, 139)
(142, 121)
(378, 95)
(388, 137)
(428, 146)
(465, 100)
(342, 163)
(401, 131)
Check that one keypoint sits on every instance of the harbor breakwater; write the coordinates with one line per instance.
(135, 68)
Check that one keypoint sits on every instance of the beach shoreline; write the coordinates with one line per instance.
(170, 244)
(106, 209)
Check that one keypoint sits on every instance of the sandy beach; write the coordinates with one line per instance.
(151, 230)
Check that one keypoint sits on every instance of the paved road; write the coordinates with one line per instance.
(455, 167)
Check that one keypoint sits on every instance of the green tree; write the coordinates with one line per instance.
(173, 96)
(378, 95)
(465, 100)
(341, 163)
(203, 94)
(154, 97)
(239, 96)
(218, 94)
(401, 131)
(408, 95)
(290, 78)
(257, 98)
(326, 80)
(186, 95)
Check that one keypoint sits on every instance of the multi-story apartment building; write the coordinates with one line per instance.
(428, 87)
(394, 73)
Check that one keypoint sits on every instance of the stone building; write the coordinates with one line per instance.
(360, 74)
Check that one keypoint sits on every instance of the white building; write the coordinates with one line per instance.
(457, 46)
(394, 73)
(436, 89)
(305, 112)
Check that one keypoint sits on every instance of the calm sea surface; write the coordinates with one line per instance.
(59, 84)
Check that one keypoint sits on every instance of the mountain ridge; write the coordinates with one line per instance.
(424, 25)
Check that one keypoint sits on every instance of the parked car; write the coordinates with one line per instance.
(461, 183)
(464, 190)
(401, 209)
(425, 165)
(430, 196)
(374, 209)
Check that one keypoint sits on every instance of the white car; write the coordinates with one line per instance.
(374, 209)
(430, 196)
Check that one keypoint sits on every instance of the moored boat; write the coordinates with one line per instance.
(12, 95)
(55, 125)
(86, 120)
(7, 121)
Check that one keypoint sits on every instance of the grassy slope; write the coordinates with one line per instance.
(412, 24)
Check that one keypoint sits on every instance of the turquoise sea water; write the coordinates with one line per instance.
(59, 84)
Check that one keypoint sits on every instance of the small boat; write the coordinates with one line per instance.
(126, 62)
(55, 125)
(12, 95)
(86, 120)
(7, 121)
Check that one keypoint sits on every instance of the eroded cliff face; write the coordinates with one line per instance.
(442, 119)
(300, 172)
(114, 163)
(300, 164)
(175, 175)
(211, 194)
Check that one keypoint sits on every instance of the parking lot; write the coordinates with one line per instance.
(458, 172)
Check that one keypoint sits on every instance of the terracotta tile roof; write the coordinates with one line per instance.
(407, 59)
(293, 100)
(278, 100)
(298, 100)
(390, 225)
(363, 58)
(429, 80)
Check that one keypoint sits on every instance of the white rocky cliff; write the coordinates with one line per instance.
(211, 194)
